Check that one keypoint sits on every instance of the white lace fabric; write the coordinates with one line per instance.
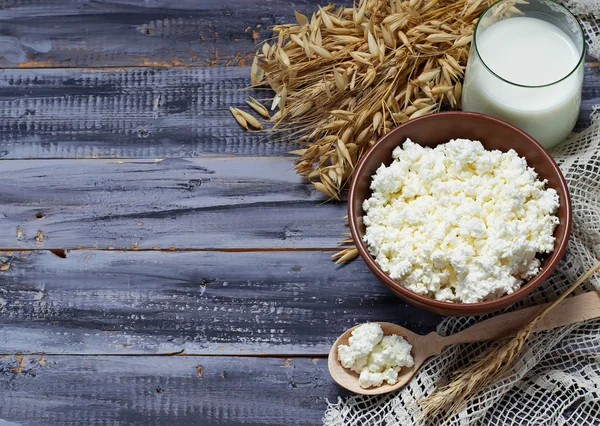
(556, 380)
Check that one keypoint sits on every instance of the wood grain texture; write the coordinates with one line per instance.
(88, 33)
(73, 33)
(60, 390)
(169, 204)
(144, 113)
(132, 113)
(101, 302)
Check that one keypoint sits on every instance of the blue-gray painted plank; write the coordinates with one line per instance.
(62, 390)
(128, 113)
(242, 202)
(109, 302)
(91, 33)
(144, 113)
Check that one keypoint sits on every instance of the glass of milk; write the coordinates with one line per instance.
(526, 67)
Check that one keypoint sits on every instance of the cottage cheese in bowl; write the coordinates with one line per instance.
(459, 223)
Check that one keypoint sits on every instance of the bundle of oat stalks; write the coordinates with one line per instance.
(346, 76)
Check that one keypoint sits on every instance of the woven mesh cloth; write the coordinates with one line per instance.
(556, 380)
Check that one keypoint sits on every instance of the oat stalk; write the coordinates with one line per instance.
(488, 368)
(344, 77)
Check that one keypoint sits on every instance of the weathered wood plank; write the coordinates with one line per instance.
(590, 96)
(61, 390)
(103, 302)
(73, 33)
(135, 113)
(143, 113)
(242, 202)
(69, 33)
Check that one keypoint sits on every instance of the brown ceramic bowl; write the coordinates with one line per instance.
(440, 128)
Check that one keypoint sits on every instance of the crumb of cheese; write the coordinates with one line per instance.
(459, 223)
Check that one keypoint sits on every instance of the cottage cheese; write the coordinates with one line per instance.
(377, 358)
(459, 223)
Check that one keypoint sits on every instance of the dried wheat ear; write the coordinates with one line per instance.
(346, 76)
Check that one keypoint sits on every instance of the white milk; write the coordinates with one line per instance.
(528, 52)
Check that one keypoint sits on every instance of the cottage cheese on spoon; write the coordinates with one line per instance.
(377, 358)
(459, 223)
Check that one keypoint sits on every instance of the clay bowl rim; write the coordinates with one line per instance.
(449, 307)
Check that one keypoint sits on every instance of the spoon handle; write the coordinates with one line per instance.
(571, 310)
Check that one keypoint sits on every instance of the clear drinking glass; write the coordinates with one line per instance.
(505, 79)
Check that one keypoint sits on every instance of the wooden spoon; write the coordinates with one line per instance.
(569, 311)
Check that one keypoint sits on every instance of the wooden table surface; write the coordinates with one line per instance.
(158, 265)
